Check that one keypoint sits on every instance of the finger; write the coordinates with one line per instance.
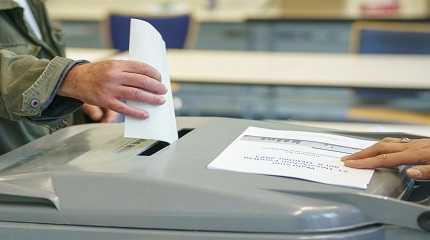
(141, 68)
(135, 94)
(419, 172)
(377, 149)
(144, 82)
(120, 107)
(110, 116)
(388, 160)
(93, 112)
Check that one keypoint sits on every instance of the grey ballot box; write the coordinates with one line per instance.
(89, 182)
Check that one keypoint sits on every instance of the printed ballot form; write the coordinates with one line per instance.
(305, 155)
(147, 45)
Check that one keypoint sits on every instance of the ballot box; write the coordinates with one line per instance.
(89, 182)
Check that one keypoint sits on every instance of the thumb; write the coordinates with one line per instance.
(94, 112)
(109, 116)
(421, 172)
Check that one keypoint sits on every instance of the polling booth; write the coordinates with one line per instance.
(89, 182)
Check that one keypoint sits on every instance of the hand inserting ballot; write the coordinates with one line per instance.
(106, 84)
(393, 152)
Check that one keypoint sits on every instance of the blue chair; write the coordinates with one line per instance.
(391, 38)
(174, 29)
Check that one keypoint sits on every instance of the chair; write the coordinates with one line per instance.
(174, 29)
(390, 38)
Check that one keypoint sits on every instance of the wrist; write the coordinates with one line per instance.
(69, 86)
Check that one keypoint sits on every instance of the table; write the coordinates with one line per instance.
(194, 67)
(91, 55)
(99, 10)
(327, 70)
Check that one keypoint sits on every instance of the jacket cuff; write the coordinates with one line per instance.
(41, 100)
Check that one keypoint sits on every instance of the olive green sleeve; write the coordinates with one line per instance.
(28, 87)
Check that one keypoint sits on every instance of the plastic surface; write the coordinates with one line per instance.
(90, 176)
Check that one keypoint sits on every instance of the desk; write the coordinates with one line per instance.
(90, 54)
(328, 70)
(238, 26)
(100, 10)
(262, 85)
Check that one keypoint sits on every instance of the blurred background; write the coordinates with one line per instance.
(319, 61)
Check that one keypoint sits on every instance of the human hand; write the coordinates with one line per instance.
(106, 84)
(392, 152)
(98, 114)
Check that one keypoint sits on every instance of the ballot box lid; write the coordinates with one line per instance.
(90, 175)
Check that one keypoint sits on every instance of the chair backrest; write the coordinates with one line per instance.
(391, 38)
(174, 29)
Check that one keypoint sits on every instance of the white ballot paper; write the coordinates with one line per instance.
(305, 155)
(147, 45)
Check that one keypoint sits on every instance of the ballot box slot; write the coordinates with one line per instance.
(160, 145)
(6, 199)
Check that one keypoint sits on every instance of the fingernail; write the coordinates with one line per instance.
(350, 163)
(162, 100)
(414, 173)
(143, 116)
(346, 162)
(344, 158)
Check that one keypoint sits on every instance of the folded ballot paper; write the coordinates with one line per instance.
(147, 45)
(304, 155)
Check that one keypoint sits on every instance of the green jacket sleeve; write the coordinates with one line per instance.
(28, 87)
